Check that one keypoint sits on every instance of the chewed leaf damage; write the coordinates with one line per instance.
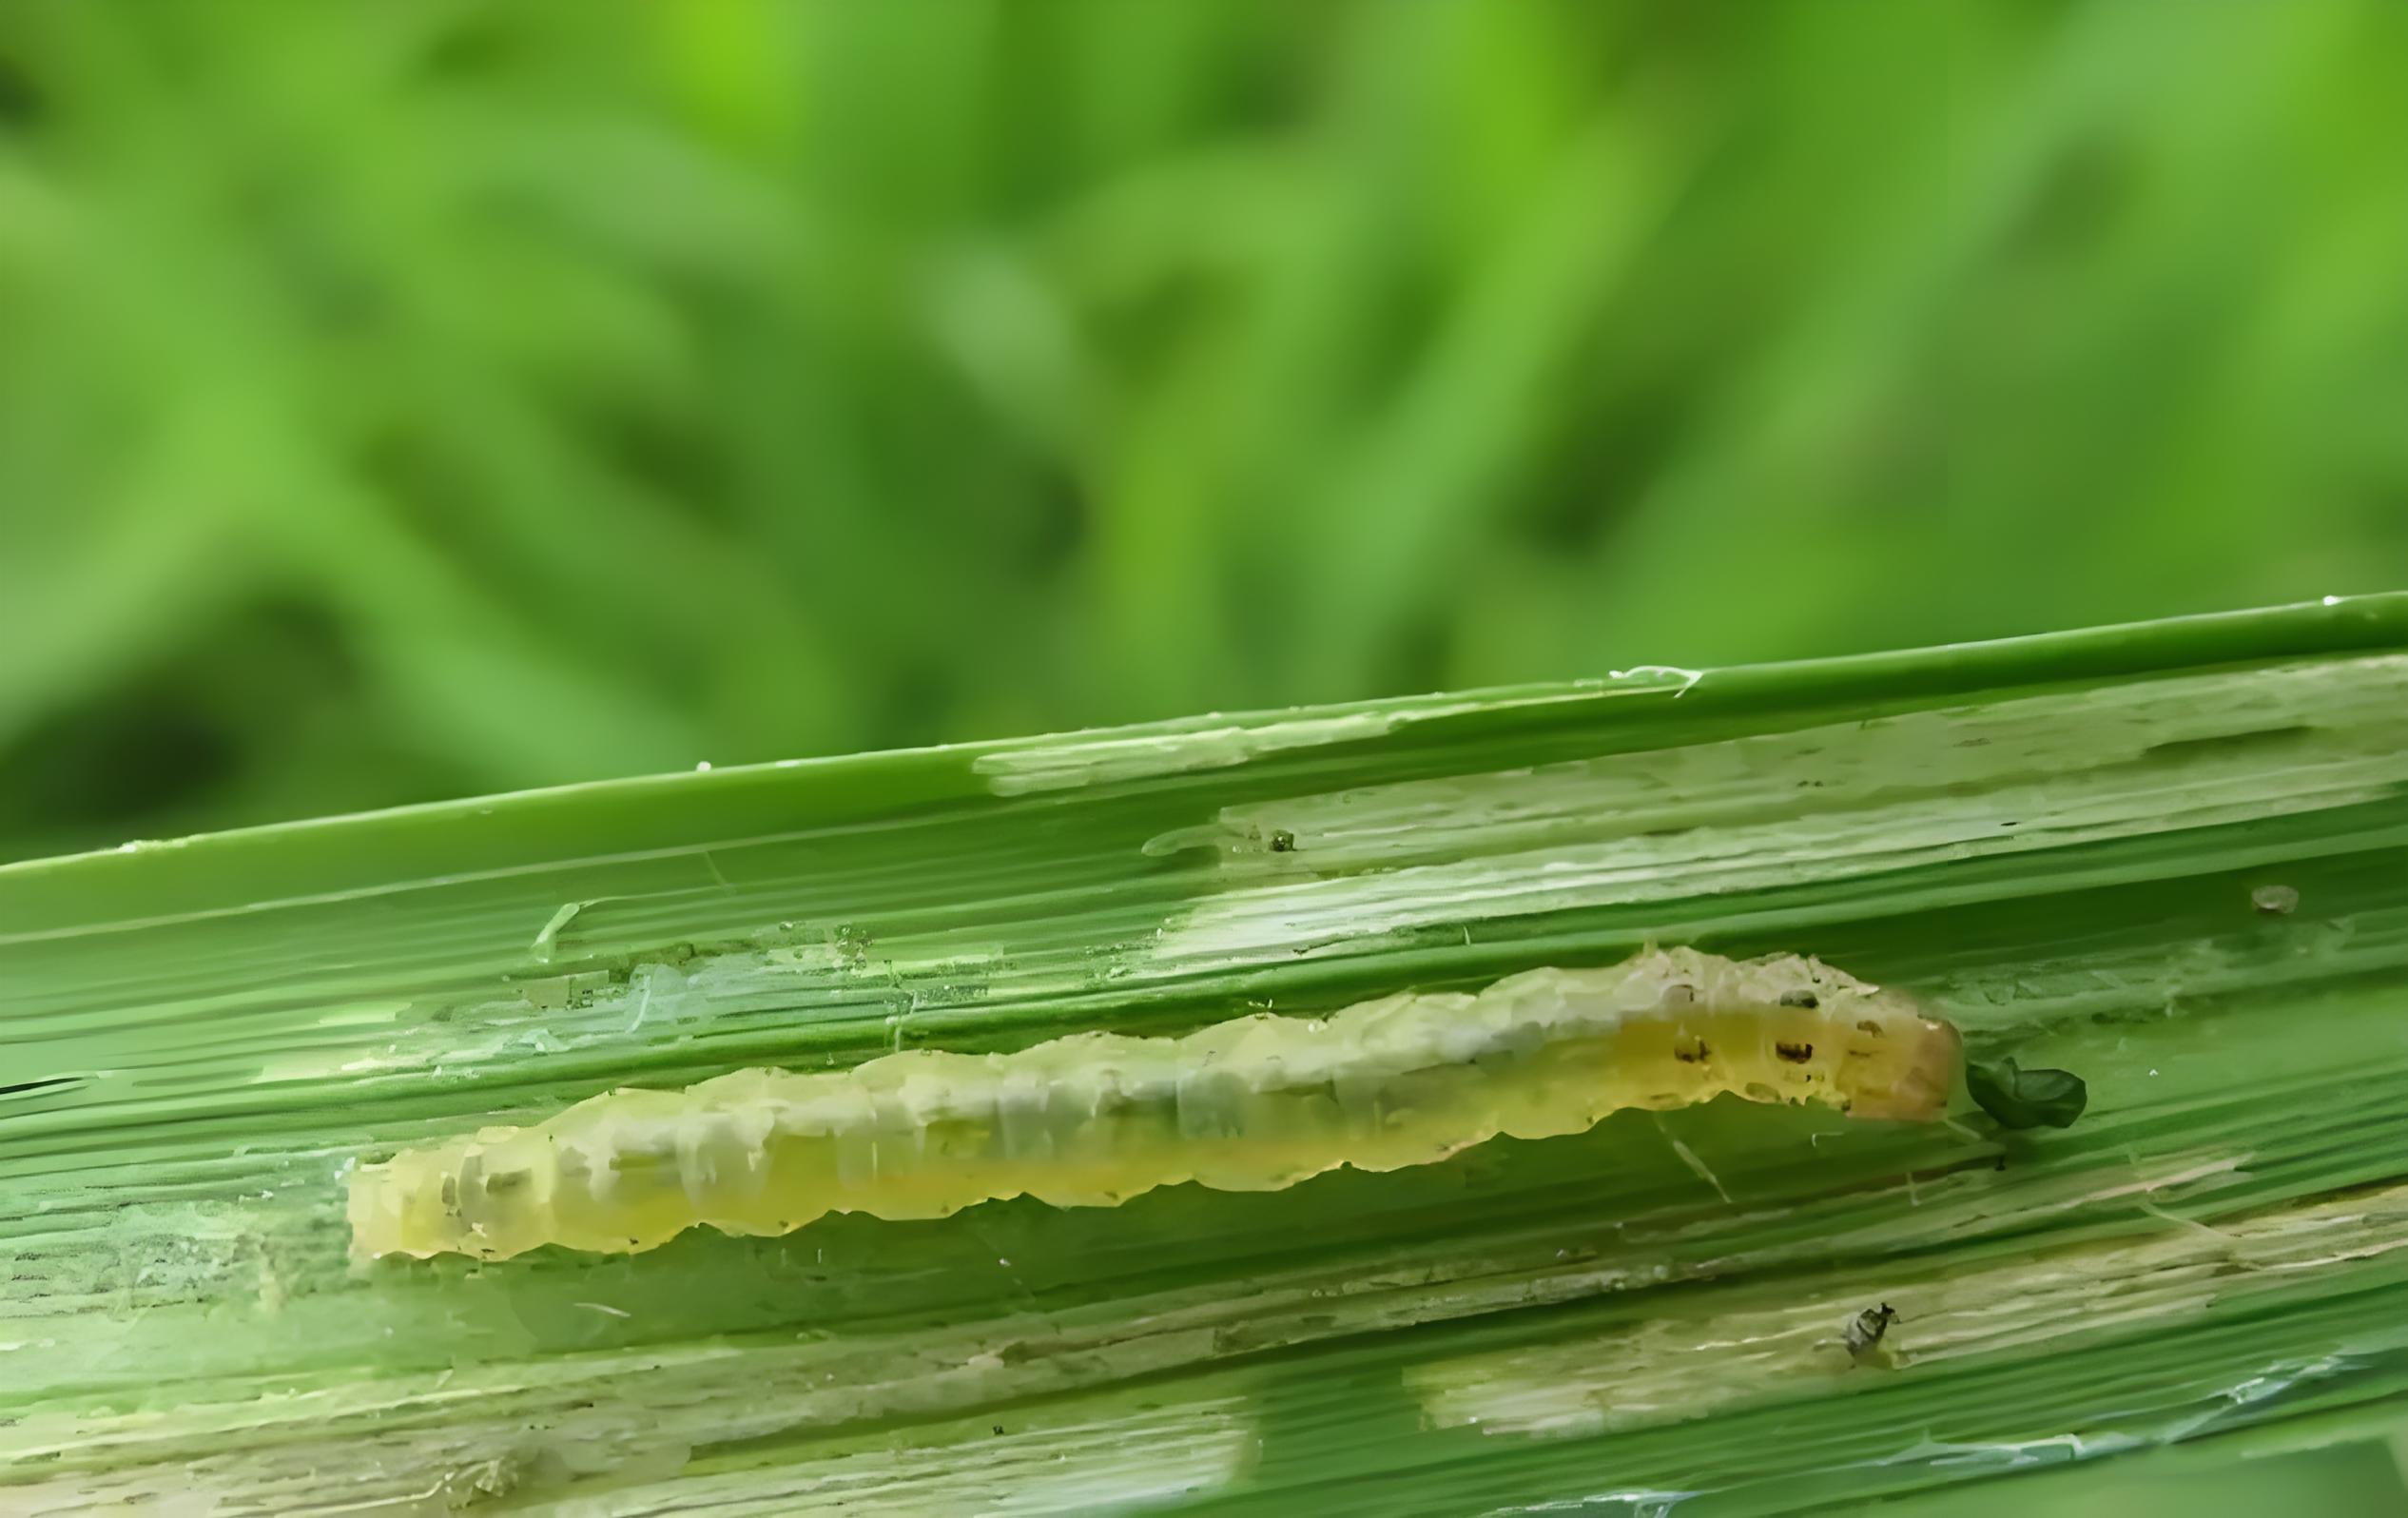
(1256, 1103)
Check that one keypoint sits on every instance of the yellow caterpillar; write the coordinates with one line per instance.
(1257, 1104)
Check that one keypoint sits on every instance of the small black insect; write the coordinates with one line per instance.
(1282, 840)
(1863, 1332)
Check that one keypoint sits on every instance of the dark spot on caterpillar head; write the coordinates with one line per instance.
(1795, 1052)
(1282, 841)
(1805, 999)
(1693, 1053)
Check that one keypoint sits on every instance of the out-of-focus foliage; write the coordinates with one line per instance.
(399, 400)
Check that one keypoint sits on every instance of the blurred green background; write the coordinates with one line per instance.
(399, 401)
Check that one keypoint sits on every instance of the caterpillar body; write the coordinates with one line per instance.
(1256, 1103)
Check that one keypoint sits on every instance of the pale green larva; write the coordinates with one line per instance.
(1256, 1103)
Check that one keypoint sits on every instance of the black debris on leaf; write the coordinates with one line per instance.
(2027, 1099)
